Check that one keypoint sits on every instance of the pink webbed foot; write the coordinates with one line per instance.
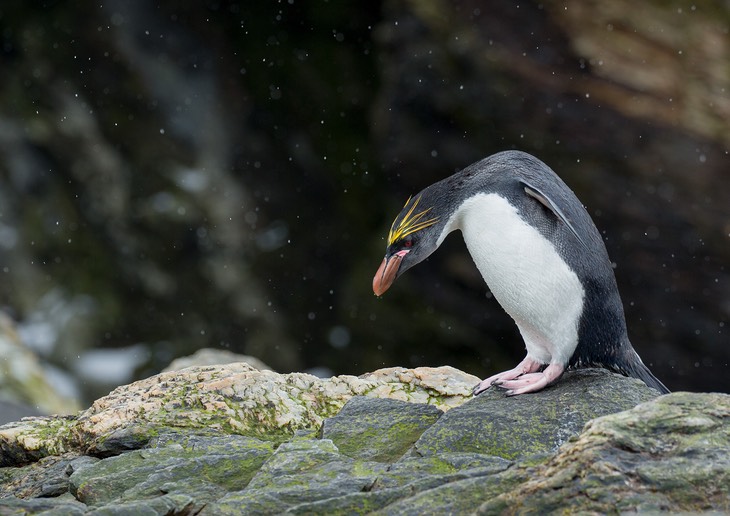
(531, 382)
(528, 365)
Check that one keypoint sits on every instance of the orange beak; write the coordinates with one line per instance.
(387, 271)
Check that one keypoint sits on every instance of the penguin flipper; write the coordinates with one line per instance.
(550, 205)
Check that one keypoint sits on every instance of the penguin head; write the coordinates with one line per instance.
(413, 236)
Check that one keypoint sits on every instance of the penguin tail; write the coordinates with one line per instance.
(637, 369)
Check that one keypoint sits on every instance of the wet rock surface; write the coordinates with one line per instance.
(372, 452)
(487, 424)
(671, 454)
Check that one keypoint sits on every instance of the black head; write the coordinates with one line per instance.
(413, 236)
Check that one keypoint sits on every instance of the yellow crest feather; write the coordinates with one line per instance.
(410, 223)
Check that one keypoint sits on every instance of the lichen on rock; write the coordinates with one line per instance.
(668, 454)
(233, 398)
(594, 442)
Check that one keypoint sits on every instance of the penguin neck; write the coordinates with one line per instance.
(476, 210)
(494, 232)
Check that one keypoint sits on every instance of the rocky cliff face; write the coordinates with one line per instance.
(222, 174)
(234, 440)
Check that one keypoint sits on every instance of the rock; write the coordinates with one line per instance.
(210, 356)
(301, 472)
(378, 429)
(670, 454)
(47, 478)
(543, 421)
(65, 506)
(33, 438)
(232, 398)
(174, 464)
(492, 454)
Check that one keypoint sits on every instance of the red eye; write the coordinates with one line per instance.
(408, 242)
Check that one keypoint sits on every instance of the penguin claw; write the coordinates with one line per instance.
(487, 383)
(528, 365)
(522, 381)
(533, 382)
(479, 388)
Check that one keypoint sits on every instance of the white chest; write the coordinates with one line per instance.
(525, 273)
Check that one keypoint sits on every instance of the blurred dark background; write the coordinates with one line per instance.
(222, 174)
